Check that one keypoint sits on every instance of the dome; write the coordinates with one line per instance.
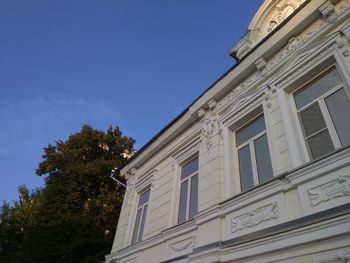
(271, 14)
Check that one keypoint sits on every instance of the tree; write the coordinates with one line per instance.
(73, 218)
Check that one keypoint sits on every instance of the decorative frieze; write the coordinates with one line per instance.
(338, 187)
(181, 245)
(254, 217)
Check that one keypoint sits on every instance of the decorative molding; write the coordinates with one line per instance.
(186, 152)
(210, 124)
(303, 61)
(339, 257)
(344, 256)
(182, 245)
(145, 181)
(133, 260)
(284, 8)
(254, 217)
(268, 94)
(338, 187)
(210, 128)
(293, 44)
(260, 64)
(328, 12)
(342, 44)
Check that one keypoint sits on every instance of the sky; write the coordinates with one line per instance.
(135, 64)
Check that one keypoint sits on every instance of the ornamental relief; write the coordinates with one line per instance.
(210, 124)
(254, 217)
(210, 128)
(338, 187)
(283, 10)
(264, 68)
(339, 257)
(181, 245)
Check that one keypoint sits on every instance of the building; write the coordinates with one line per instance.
(257, 169)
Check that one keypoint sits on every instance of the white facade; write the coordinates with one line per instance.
(295, 210)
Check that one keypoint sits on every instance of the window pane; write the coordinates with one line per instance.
(338, 105)
(250, 130)
(320, 144)
(245, 167)
(263, 160)
(144, 198)
(317, 88)
(183, 202)
(194, 196)
(312, 120)
(137, 225)
(189, 168)
(143, 220)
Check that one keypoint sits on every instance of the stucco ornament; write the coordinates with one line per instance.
(328, 12)
(182, 245)
(283, 10)
(254, 217)
(336, 188)
(210, 128)
(344, 256)
(210, 124)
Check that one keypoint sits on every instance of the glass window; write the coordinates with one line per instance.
(253, 154)
(141, 217)
(189, 191)
(323, 107)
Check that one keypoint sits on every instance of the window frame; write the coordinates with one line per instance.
(252, 151)
(139, 235)
(323, 108)
(189, 189)
(296, 73)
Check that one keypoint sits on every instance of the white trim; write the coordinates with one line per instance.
(229, 167)
(183, 155)
(250, 143)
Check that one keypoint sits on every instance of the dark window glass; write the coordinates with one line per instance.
(245, 167)
(137, 226)
(317, 88)
(338, 105)
(263, 159)
(143, 222)
(189, 168)
(312, 120)
(194, 196)
(320, 144)
(141, 217)
(183, 202)
(144, 198)
(250, 130)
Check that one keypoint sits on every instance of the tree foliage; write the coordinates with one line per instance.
(73, 218)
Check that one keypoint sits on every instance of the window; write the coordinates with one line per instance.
(253, 153)
(189, 191)
(141, 216)
(323, 108)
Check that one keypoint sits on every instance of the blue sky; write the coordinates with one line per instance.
(130, 63)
